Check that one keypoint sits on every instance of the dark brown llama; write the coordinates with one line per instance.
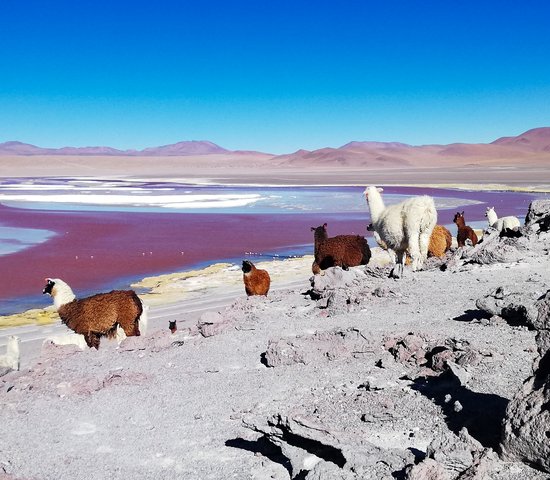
(342, 251)
(464, 231)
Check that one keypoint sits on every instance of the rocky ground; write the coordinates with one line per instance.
(442, 374)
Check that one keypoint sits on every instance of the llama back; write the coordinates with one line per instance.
(101, 312)
(349, 250)
(257, 282)
(421, 209)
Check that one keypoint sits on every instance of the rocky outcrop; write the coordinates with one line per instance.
(316, 451)
(517, 306)
(538, 216)
(526, 432)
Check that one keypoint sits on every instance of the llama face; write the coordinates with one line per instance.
(247, 266)
(48, 288)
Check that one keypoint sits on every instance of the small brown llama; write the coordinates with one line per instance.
(464, 231)
(256, 281)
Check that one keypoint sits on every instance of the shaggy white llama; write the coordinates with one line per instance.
(405, 227)
(11, 358)
(500, 224)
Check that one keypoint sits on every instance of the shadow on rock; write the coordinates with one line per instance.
(471, 315)
(263, 447)
(480, 413)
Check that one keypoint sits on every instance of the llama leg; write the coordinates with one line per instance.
(424, 242)
(397, 271)
(415, 252)
(92, 339)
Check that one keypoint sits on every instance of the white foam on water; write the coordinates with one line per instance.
(168, 201)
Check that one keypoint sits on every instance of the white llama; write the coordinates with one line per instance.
(405, 227)
(500, 224)
(11, 358)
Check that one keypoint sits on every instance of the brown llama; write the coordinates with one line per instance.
(99, 315)
(440, 242)
(256, 281)
(341, 251)
(464, 231)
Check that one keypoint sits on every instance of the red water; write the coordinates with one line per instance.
(95, 251)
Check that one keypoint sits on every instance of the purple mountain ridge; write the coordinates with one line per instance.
(176, 149)
(359, 153)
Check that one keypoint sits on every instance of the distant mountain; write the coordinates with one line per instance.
(531, 146)
(184, 148)
(506, 151)
(19, 148)
(536, 139)
(176, 149)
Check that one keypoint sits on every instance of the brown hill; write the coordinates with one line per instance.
(530, 147)
(536, 139)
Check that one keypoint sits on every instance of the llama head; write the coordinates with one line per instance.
(320, 232)
(247, 266)
(489, 211)
(459, 218)
(371, 190)
(59, 291)
(172, 326)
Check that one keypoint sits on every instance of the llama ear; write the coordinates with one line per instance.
(312, 229)
(325, 226)
(462, 213)
(379, 189)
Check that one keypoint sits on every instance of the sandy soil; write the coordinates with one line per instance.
(324, 380)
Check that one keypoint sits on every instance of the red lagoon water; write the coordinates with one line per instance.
(96, 251)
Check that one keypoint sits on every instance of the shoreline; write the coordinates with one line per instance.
(40, 316)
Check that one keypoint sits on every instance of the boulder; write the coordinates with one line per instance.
(526, 431)
(538, 216)
(427, 469)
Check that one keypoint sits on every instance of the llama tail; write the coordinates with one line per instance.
(143, 320)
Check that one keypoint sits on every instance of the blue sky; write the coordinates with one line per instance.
(271, 75)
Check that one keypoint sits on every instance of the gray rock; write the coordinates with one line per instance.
(495, 249)
(459, 372)
(538, 216)
(212, 323)
(350, 455)
(515, 306)
(482, 466)
(452, 452)
(427, 469)
(526, 432)
(318, 348)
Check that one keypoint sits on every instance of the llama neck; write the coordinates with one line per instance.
(62, 294)
(492, 217)
(376, 204)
